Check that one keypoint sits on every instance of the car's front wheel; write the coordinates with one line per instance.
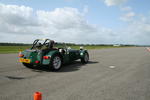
(85, 59)
(56, 63)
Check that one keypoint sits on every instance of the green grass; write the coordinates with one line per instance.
(12, 49)
(93, 47)
(16, 49)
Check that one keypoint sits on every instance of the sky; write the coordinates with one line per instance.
(76, 21)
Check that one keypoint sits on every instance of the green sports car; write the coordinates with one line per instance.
(44, 52)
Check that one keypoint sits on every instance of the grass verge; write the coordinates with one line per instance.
(16, 49)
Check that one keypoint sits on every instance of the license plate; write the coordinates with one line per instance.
(24, 60)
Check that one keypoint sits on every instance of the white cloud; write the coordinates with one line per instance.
(16, 19)
(114, 2)
(65, 24)
(12, 14)
(23, 24)
(127, 8)
(128, 16)
(137, 31)
(62, 24)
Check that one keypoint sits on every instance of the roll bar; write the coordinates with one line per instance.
(36, 41)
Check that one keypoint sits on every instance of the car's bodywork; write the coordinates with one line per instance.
(45, 54)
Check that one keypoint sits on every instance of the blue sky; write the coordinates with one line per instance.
(99, 21)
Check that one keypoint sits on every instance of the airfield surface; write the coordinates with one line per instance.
(111, 74)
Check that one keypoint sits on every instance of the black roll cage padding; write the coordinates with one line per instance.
(46, 41)
(35, 42)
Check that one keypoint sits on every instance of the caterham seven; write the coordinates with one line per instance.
(47, 52)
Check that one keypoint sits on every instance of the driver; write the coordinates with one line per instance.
(52, 44)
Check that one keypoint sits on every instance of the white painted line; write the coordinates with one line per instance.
(112, 66)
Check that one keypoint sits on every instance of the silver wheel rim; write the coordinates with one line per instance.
(86, 58)
(57, 62)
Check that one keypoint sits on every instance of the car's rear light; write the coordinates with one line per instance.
(21, 55)
(37, 61)
(46, 57)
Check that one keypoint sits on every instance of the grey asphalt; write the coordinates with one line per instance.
(111, 74)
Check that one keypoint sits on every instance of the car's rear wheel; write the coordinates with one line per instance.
(85, 59)
(28, 65)
(56, 63)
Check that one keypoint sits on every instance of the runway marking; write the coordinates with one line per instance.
(148, 49)
(112, 66)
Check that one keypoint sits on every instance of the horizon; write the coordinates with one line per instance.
(74, 44)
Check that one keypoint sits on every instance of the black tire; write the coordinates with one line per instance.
(55, 63)
(85, 59)
(28, 65)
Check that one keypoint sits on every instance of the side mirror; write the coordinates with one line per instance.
(62, 51)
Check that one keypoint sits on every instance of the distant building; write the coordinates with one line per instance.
(116, 45)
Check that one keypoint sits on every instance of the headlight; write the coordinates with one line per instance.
(81, 53)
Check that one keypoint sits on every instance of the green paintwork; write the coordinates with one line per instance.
(67, 57)
(32, 55)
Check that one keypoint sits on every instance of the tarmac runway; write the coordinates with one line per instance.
(111, 74)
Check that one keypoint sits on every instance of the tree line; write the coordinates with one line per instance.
(14, 44)
(68, 44)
